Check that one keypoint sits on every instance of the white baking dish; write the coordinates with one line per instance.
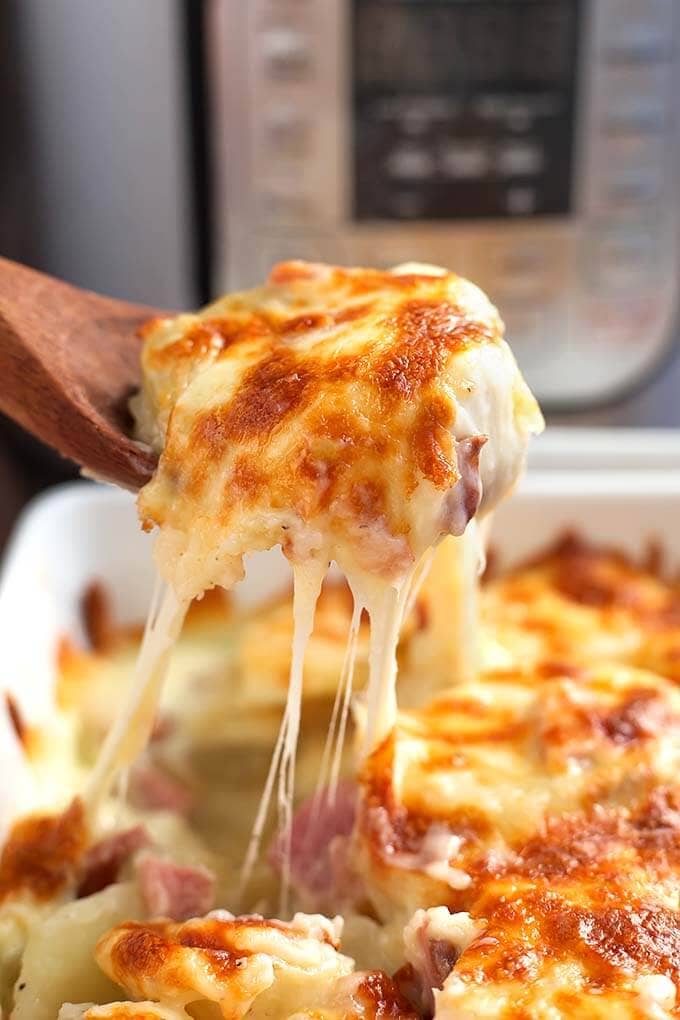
(81, 531)
(594, 449)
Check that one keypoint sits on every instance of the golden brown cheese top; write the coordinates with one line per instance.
(337, 408)
(465, 784)
(41, 853)
(544, 800)
(122, 1011)
(226, 960)
(578, 603)
(368, 995)
(585, 919)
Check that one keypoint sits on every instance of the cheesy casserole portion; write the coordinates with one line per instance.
(509, 848)
(512, 851)
(350, 413)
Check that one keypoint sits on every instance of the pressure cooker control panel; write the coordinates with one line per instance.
(463, 110)
(528, 144)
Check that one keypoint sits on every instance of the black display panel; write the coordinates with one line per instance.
(463, 108)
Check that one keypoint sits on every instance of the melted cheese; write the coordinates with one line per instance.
(542, 801)
(307, 587)
(580, 940)
(464, 784)
(446, 648)
(343, 702)
(577, 604)
(340, 413)
(335, 410)
(121, 1011)
(245, 965)
(348, 415)
(132, 728)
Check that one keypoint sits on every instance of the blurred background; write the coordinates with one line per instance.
(165, 150)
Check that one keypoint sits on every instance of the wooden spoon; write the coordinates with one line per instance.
(69, 360)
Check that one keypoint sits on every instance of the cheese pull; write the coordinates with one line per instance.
(352, 415)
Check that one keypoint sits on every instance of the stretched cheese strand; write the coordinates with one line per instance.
(253, 851)
(329, 770)
(420, 579)
(307, 586)
(348, 671)
(386, 604)
(459, 595)
(132, 727)
(446, 648)
(307, 583)
(383, 678)
(383, 671)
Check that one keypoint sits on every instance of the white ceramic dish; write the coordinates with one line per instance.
(594, 449)
(81, 531)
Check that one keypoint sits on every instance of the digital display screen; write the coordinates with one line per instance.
(426, 43)
(463, 108)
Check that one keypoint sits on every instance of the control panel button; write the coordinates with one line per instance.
(637, 30)
(410, 163)
(526, 327)
(632, 189)
(523, 264)
(539, 334)
(412, 113)
(621, 259)
(636, 93)
(630, 171)
(286, 52)
(612, 327)
(521, 158)
(283, 205)
(288, 131)
(465, 160)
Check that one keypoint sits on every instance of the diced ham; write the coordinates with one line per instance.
(437, 849)
(433, 941)
(432, 852)
(103, 861)
(174, 890)
(151, 788)
(320, 831)
(463, 500)
(438, 958)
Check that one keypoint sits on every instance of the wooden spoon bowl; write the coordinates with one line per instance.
(69, 361)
